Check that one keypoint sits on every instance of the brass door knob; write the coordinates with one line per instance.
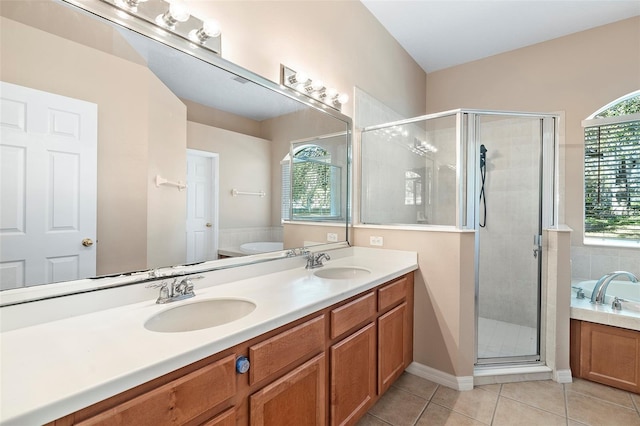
(87, 242)
(209, 225)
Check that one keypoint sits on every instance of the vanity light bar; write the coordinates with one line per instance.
(313, 88)
(174, 17)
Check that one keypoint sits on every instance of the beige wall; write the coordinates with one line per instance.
(576, 74)
(166, 205)
(444, 295)
(244, 165)
(339, 41)
(216, 118)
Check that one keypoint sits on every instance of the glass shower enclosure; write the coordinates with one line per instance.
(493, 172)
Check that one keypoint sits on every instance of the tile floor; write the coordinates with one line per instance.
(499, 338)
(416, 401)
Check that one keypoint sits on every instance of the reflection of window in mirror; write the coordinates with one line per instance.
(612, 173)
(412, 188)
(311, 190)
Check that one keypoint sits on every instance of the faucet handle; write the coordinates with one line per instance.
(579, 292)
(156, 284)
(616, 305)
(187, 284)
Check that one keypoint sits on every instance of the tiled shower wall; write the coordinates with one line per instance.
(508, 270)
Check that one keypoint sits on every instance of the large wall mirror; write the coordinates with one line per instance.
(121, 153)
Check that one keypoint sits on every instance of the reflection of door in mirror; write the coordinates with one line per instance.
(202, 206)
(48, 187)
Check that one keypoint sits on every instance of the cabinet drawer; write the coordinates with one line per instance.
(352, 314)
(178, 401)
(393, 293)
(286, 349)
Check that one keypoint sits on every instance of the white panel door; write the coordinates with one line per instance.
(48, 148)
(201, 212)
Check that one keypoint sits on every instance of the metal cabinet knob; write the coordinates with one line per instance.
(87, 242)
(209, 225)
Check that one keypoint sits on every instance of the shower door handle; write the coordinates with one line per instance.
(537, 245)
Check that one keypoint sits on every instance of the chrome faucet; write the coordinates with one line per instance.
(600, 289)
(181, 288)
(314, 260)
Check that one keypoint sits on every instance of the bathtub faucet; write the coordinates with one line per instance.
(600, 289)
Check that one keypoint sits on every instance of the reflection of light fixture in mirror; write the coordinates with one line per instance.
(313, 88)
(177, 12)
(131, 5)
(174, 17)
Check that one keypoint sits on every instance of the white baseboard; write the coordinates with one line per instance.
(563, 376)
(460, 383)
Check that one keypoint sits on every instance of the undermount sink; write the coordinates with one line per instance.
(341, 272)
(199, 315)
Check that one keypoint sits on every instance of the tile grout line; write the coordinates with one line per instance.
(495, 408)
(606, 401)
(633, 401)
(460, 414)
(539, 408)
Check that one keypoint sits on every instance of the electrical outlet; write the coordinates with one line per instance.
(376, 241)
(332, 237)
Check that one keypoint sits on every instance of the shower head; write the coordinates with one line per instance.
(483, 149)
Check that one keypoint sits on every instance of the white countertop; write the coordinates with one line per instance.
(583, 309)
(52, 369)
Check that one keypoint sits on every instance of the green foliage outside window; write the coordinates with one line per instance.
(612, 175)
(312, 182)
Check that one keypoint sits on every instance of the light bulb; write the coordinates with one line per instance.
(343, 98)
(317, 84)
(302, 77)
(211, 27)
(331, 93)
(179, 11)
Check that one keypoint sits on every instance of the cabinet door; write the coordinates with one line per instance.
(353, 376)
(392, 346)
(610, 355)
(296, 399)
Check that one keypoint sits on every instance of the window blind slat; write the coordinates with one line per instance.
(612, 180)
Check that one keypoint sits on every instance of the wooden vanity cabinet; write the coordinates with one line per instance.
(605, 354)
(329, 367)
(366, 362)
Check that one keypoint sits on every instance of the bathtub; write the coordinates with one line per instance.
(261, 247)
(628, 317)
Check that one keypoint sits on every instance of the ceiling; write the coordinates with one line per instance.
(443, 33)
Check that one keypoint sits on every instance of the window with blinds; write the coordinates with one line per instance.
(311, 189)
(612, 178)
